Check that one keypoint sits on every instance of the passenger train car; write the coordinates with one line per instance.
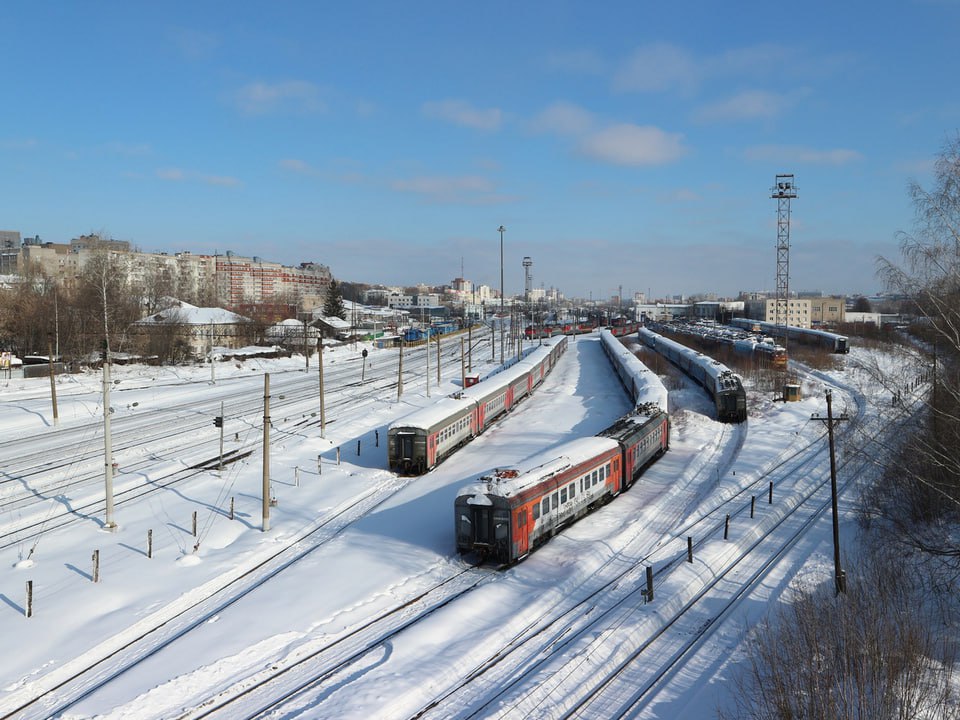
(828, 340)
(419, 441)
(641, 383)
(721, 383)
(505, 515)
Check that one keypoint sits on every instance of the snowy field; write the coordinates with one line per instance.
(350, 544)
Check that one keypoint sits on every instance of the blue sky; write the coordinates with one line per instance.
(627, 144)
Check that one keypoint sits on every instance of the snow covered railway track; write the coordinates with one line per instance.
(322, 663)
(25, 529)
(495, 685)
(62, 689)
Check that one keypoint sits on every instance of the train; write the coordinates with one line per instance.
(830, 341)
(418, 442)
(745, 342)
(721, 383)
(642, 384)
(532, 332)
(506, 514)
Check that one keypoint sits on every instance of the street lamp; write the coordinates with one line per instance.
(501, 230)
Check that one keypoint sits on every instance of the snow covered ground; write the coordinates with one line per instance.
(349, 542)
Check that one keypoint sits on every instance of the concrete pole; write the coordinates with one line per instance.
(53, 383)
(266, 452)
(323, 417)
(107, 445)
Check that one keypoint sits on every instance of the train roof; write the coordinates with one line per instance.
(513, 480)
(649, 387)
(640, 416)
(712, 367)
(427, 417)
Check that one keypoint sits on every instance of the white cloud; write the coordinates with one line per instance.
(463, 189)
(787, 154)
(658, 67)
(194, 44)
(260, 98)
(563, 118)
(129, 149)
(296, 166)
(463, 113)
(180, 175)
(580, 62)
(19, 144)
(635, 145)
(171, 174)
(222, 180)
(746, 105)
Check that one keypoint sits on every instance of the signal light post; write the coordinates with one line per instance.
(218, 422)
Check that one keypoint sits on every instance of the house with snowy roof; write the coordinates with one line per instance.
(194, 329)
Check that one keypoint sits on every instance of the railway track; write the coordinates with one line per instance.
(57, 692)
(39, 495)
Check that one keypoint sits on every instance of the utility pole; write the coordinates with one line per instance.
(53, 382)
(428, 362)
(266, 452)
(840, 577)
(400, 372)
(323, 417)
(107, 440)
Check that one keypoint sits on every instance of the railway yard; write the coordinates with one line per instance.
(355, 603)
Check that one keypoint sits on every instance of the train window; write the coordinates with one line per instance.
(563, 495)
(573, 489)
(536, 511)
(554, 501)
(594, 477)
(546, 505)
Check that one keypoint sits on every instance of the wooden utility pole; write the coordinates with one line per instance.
(266, 452)
(840, 577)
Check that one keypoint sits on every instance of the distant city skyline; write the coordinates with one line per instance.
(621, 144)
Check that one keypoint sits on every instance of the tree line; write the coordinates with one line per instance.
(97, 312)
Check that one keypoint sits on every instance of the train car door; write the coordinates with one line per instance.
(522, 534)
(481, 517)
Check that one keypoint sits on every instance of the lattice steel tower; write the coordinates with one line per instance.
(783, 191)
(528, 279)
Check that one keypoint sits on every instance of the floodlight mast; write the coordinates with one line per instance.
(784, 190)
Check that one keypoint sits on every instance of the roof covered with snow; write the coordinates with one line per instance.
(188, 314)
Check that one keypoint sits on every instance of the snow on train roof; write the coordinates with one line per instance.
(649, 387)
(513, 480)
(432, 414)
(713, 368)
(429, 416)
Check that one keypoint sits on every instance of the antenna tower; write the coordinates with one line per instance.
(528, 278)
(783, 192)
